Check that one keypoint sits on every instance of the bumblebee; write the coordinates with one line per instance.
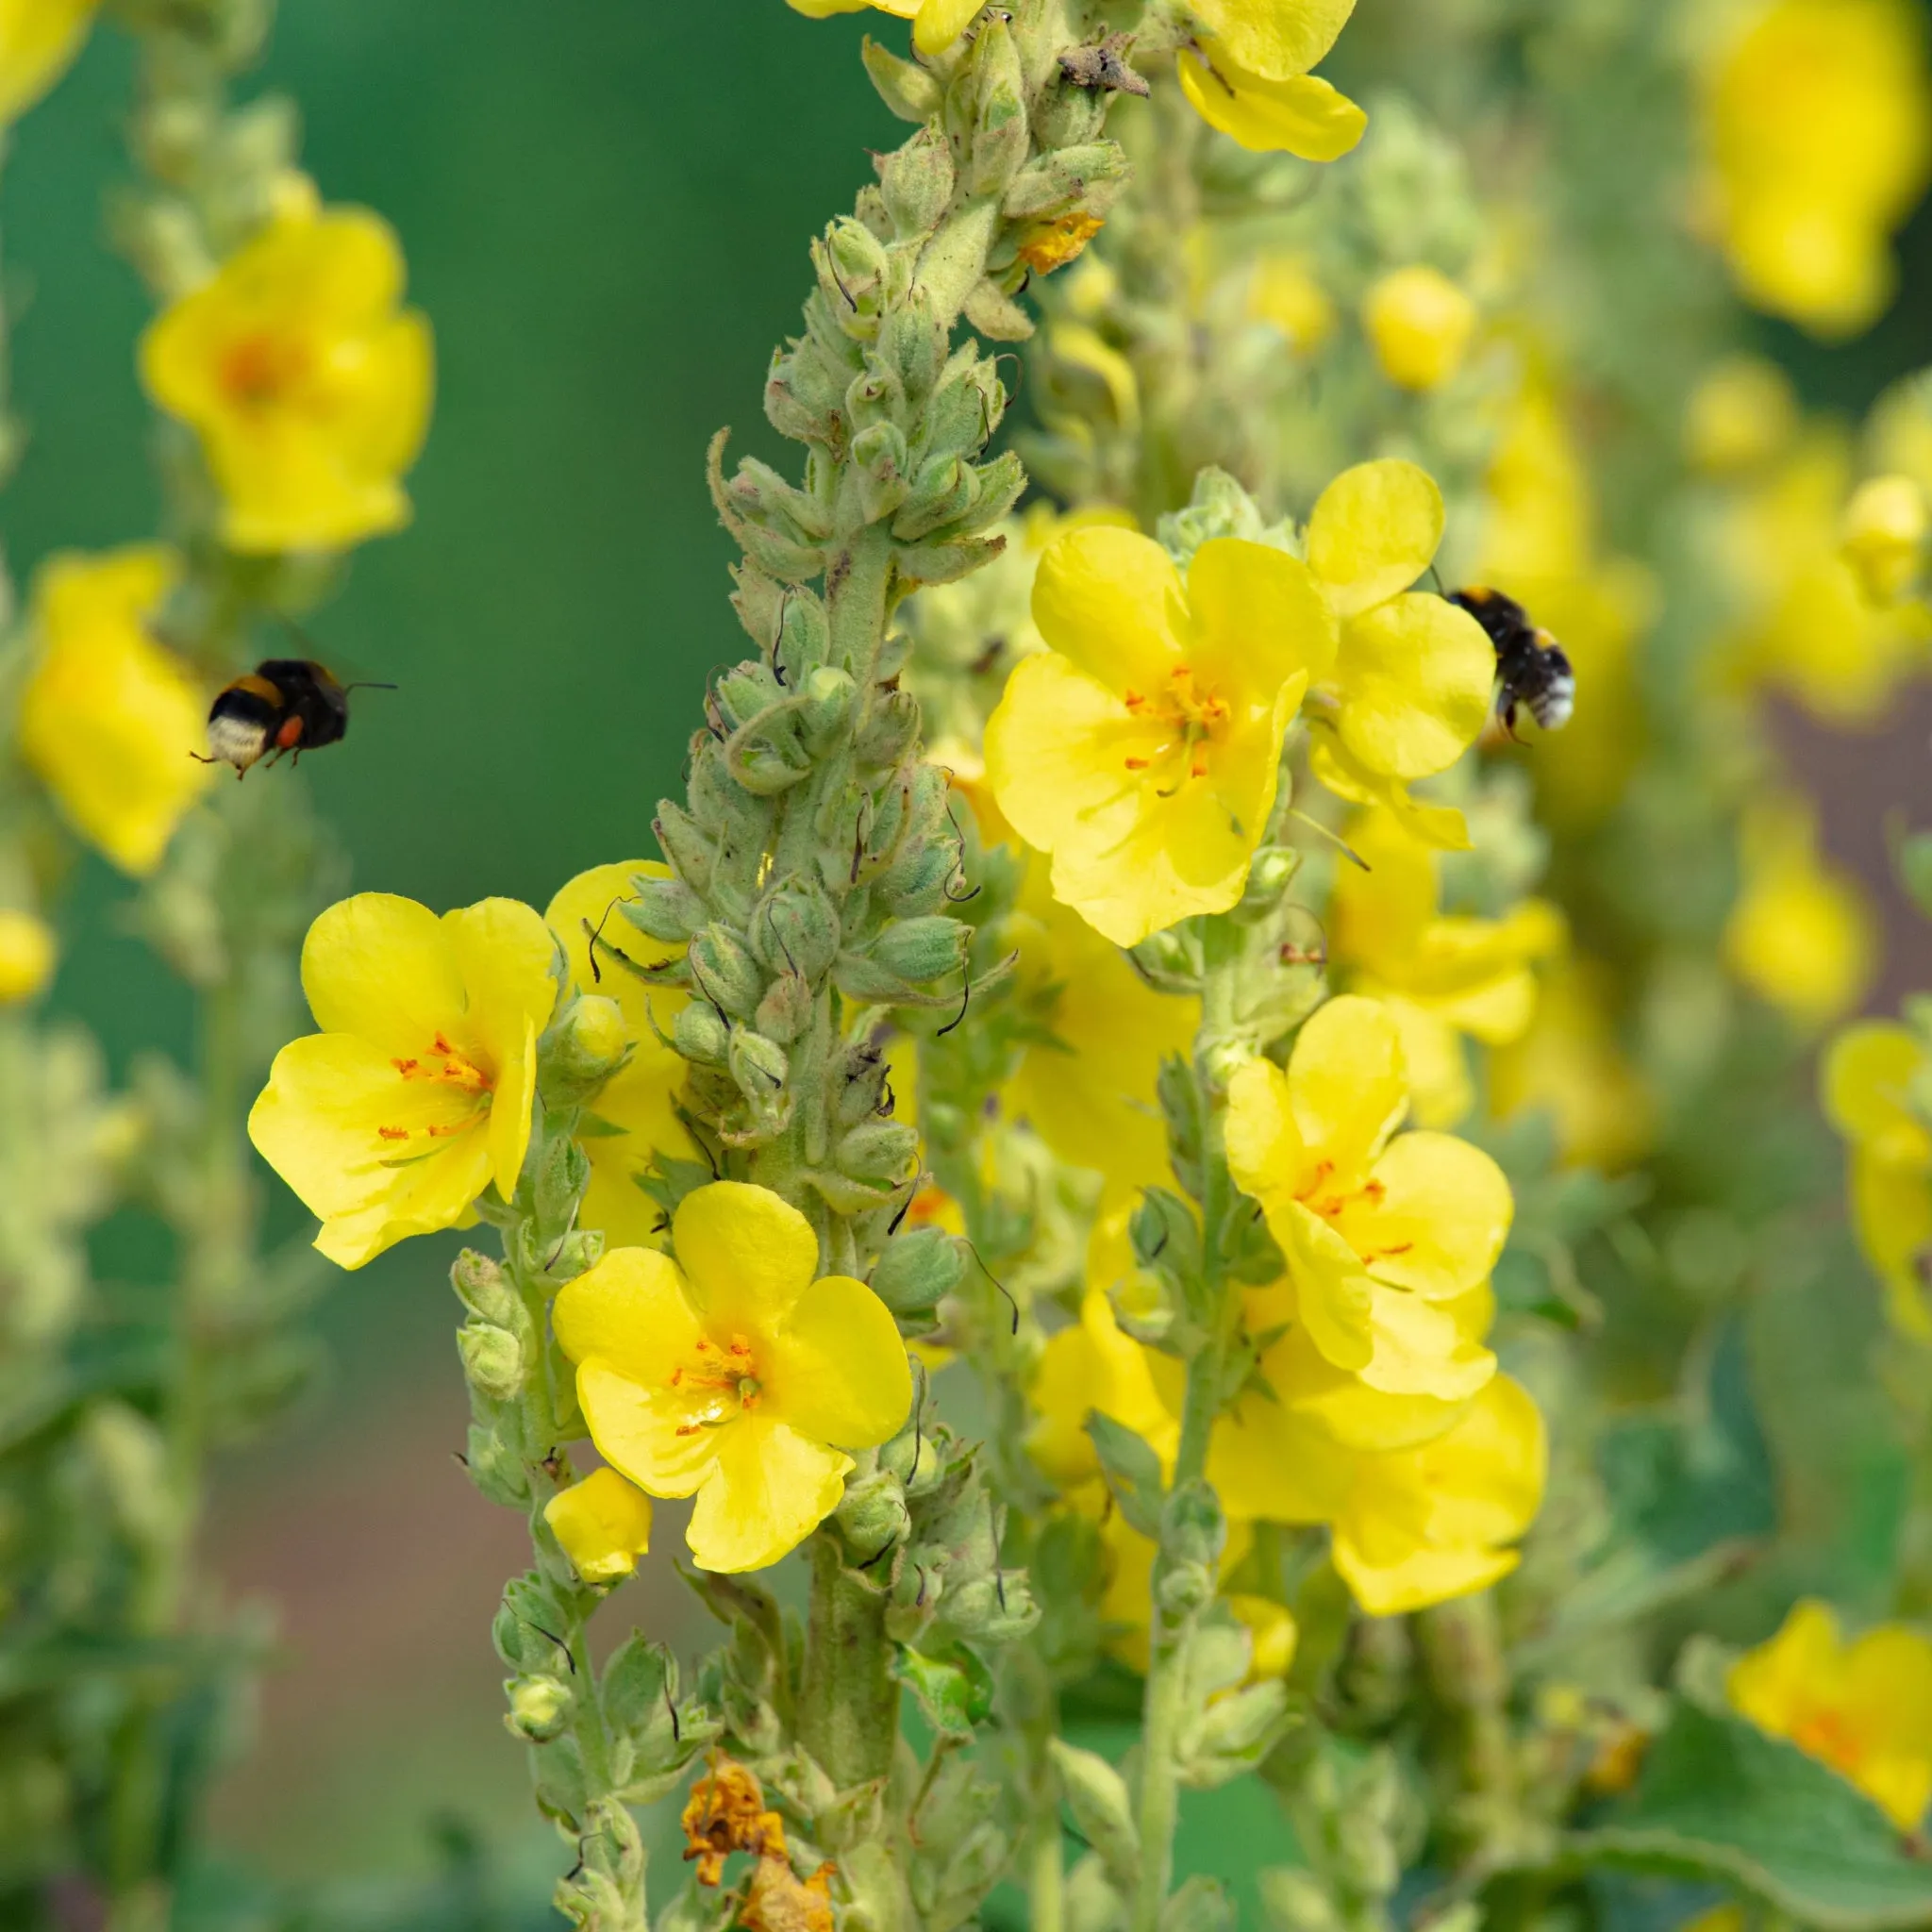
(284, 705)
(1532, 669)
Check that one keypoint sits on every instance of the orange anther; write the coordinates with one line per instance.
(393, 1133)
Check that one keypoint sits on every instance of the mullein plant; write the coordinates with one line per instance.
(294, 391)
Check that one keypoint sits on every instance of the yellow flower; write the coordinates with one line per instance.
(1883, 536)
(1378, 1230)
(1425, 1525)
(1441, 828)
(1802, 934)
(1817, 121)
(1247, 74)
(1286, 295)
(1092, 1367)
(1864, 1707)
(1870, 1078)
(728, 1373)
(28, 953)
(1744, 413)
(1420, 324)
(1809, 626)
(110, 720)
(1141, 749)
(936, 24)
(641, 1099)
(308, 383)
(603, 1524)
(416, 1093)
(1088, 1091)
(38, 41)
(1413, 674)
(1439, 977)
(1570, 1063)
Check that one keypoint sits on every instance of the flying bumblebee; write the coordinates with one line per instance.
(284, 705)
(1532, 669)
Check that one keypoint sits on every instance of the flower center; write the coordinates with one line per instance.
(721, 1383)
(259, 370)
(1320, 1193)
(1189, 722)
(1826, 1734)
(443, 1066)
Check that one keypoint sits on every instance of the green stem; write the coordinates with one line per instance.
(849, 1718)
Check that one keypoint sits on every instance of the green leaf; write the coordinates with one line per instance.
(1722, 1801)
(955, 1690)
(1132, 1471)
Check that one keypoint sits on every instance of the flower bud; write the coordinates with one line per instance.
(804, 637)
(562, 1174)
(761, 494)
(786, 1009)
(700, 1036)
(485, 1290)
(917, 183)
(1084, 179)
(987, 106)
(874, 1515)
(827, 695)
(880, 462)
(877, 1151)
(725, 972)
(889, 733)
(759, 1066)
(917, 1269)
(1269, 874)
(1420, 324)
(28, 953)
(856, 253)
(797, 928)
(493, 1359)
(583, 1049)
(1883, 536)
(495, 1468)
(691, 853)
(539, 1708)
(664, 909)
(922, 950)
(863, 1090)
(906, 89)
(942, 491)
(966, 407)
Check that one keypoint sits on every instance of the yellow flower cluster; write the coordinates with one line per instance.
(1864, 1707)
(1876, 1084)
(1142, 748)
(38, 40)
(1818, 122)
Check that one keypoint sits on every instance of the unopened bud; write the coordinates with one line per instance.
(726, 973)
(493, 1359)
(917, 1269)
(1883, 536)
(879, 1151)
(539, 1708)
(1420, 325)
(584, 1047)
(700, 1036)
(786, 1009)
(917, 183)
(759, 1066)
(485, 1289)
(797, 929)
(874, 1515)
(922, 950)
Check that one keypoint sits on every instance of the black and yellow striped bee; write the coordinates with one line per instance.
(284, 705)
(1532, 669)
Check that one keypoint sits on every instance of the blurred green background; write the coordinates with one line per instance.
(606, 205)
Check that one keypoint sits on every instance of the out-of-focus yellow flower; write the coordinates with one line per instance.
(641, 1100)
(1863, 1707)
(1439, 977)
(1883, 536)
(28, 954)
(1092, 1367)
(1570, 1063)
(1441, 828)
(1420, 324)
(936, 24)
(1808, 628)
(1084, 348)
(416, 1093)
(1742, 415)
(1426, 1524)
(1247, 74)
(1413, 674)
(1142, 748)
(1802, 935)
(1539, 544)
(1378, 1230)
(39, 39)
(729, 1374)
(1286, 295)
(1875, 1081)
(603, 1524)
(307, 382)
(1089, 1092)
(1819, 129)
(112, 720)
(1126, 1600)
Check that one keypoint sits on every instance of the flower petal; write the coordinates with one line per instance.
(603, 1524)
(1417, 1579)
(1866, 1081)
(1303, 115)
(640, 1102)
(1333, 1291)
(593, 902)
(940, 23)
(1415, 679)
(1439, 826)
(1110, 601)
(646, 1431)
(1276, 39)
(836, 1370)
(747, 1253)
(1891, 1215)
(769, 1490)
(1269, 1464)
(1055, 751)
(1348, 1085)
(1349, 1412)
(1259, 619)
(1374, 530)
(1423, 1351)
(383, 968)
(1436, 1219)
(632, 1312)
(509, 963)
(1265, 1151)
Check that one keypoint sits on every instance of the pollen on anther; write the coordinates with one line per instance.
(1137, 764)
(393, 1133)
